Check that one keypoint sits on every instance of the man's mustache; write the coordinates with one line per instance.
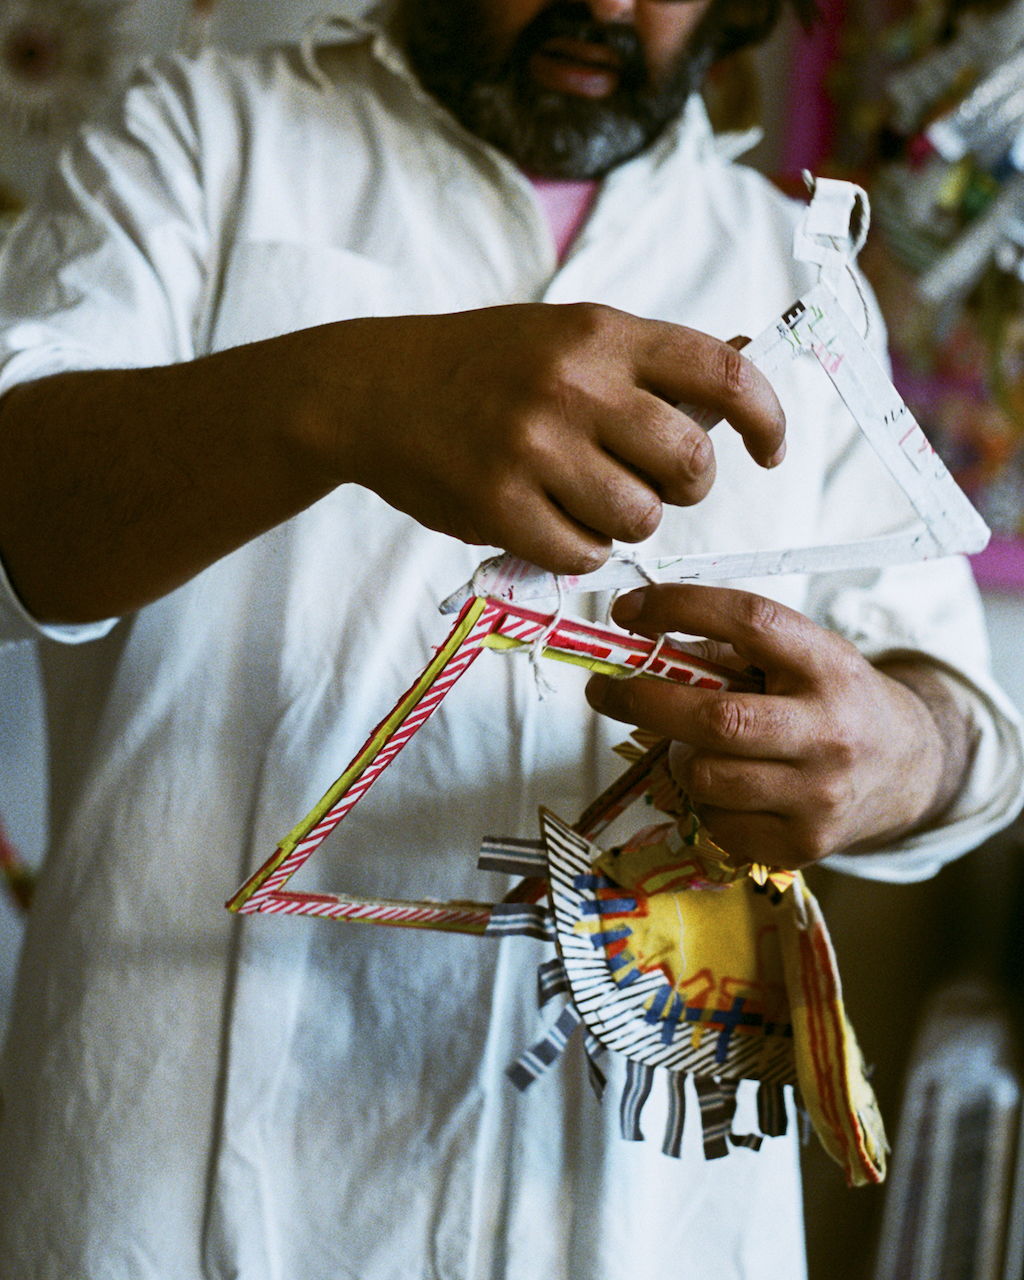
(575, 21)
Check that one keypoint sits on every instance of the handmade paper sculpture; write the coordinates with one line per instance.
(666, 953)
(676, 959)
(832, 232)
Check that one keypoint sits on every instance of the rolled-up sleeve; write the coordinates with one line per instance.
(111, 268)
(933, 611)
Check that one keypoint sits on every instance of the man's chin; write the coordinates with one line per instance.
(567, 105)
(556, 135)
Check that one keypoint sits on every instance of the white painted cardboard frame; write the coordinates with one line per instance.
(815, 325)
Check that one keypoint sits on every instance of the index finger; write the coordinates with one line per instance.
(710, 379)
(763, 632)
(753, 726)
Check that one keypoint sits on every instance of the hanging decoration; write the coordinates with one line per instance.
(930, 118)
(59, 61)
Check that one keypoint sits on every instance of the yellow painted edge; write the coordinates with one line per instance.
(385, 731)
(599, 666)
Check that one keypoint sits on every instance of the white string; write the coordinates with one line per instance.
(535, 649)
(630, 557)
(631, 673)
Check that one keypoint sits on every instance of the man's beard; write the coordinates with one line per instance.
(546, 133)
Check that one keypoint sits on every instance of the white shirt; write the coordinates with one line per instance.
(191, 1095)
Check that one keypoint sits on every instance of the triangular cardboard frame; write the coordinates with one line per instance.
(481, 624)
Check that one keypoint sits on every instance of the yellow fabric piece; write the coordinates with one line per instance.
(835, 1088)
(726, 941)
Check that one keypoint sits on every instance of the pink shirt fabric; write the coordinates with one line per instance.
(566, 203)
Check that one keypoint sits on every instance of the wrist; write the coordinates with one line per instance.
(946, 739)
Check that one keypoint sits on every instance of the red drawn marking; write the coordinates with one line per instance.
(816, 1026)
(594, 650)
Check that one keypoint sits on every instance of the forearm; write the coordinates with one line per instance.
(546, 430)
(118, 485)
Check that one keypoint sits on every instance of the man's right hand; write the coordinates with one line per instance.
(545, 430)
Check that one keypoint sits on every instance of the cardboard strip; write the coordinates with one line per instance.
(815, 325)
(482, 623)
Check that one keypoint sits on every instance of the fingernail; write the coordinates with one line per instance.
(628, 607)
(701, 456)
(777, 456)
(597, 690)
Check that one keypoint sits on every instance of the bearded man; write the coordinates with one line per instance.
(288, 340)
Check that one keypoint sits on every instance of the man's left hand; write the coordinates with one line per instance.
(836, 754)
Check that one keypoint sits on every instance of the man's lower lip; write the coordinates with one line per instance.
(581, 79)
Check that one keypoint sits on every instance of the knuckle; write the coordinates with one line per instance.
(728, 720)
(842, 752)
(732, 372)
(845, 752)
(813, 846)
(701, 453)
(758, 615)
(693, 471)
(697, 778)
(638, 520)
(590, 320)
(851, 663)
(527, 442)
(832, 796)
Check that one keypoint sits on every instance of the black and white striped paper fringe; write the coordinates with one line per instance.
(771, 1109)
(539, 1057)
(512, 856)
(520, 920)
(717, 1108)
(596, 1053)
(552, 981)
(639, 1078)
(676, 1113)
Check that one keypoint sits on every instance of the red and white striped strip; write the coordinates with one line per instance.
(418, 715)
(467, 918)
(264, 891)
(611, 645)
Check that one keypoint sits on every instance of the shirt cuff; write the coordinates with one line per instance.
(990, 797)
